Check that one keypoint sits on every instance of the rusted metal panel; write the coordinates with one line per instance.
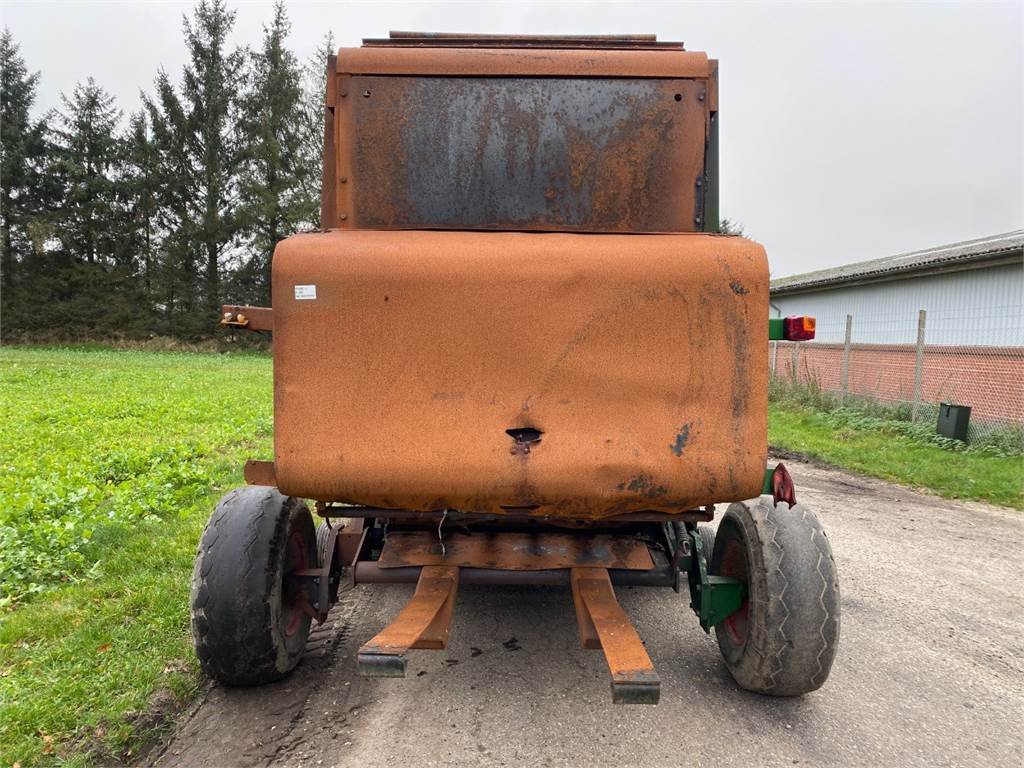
(249, 318)
(603, 624)
(483, 62)
(464, 40)
(512, 551)
(636, 357)
(329, 191)
(566, 154)
(403, 34)
(531, 517)
(424, 623)
(713, 85)
(368, 572)
(259, 473)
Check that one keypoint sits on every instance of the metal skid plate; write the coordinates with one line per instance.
(514, 551)
(603, 624)
(424, 622)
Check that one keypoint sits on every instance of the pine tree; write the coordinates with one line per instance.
(275, 185)
(93, 277)
(141, 189)
(198, 153)
(174, 168)
(88, 155)
(210, 87)
(22, 149)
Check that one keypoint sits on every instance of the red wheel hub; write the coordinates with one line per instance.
(734, 564)
(293, 590)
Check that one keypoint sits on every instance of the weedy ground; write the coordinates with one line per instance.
(883, 440)
(110, 464)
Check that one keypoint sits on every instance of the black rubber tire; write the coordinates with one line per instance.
(244, 629)
(707, 539)
(321, 540)
(322, 531)
(784, 640)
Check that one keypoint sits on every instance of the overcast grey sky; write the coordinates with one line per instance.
(848, 131)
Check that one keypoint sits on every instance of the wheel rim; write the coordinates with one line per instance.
(734, 564)
(293, 595)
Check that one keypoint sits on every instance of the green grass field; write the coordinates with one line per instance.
(885, 451)
(110, 464)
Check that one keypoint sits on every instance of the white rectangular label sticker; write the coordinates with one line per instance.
(305, 292)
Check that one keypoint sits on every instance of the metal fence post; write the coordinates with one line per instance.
(918, 365)
(845, 376)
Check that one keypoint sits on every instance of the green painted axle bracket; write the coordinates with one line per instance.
(712, 598)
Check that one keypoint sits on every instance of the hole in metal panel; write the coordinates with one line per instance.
(524, 435)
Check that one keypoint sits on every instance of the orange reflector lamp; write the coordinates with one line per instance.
(798, 328)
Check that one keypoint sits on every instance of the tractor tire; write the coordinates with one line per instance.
(707, 540)
(322, 532)
(783, 639)
(248, 624)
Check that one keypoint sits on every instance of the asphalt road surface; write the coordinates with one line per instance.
(930, 670)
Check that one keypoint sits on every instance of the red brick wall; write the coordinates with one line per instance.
(989, 379)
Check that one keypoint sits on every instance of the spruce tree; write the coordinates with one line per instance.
(198, 149)
(93, 276)
(142, 190)
(210, 89)
(88, 159)
(275, 183)
(175, 169)
(22, 150)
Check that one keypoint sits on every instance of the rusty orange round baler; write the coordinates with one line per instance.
(519, 352)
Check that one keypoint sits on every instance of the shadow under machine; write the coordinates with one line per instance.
(519, 352)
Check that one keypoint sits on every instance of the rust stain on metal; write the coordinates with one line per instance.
(514, 551)
(561, 139)
(644, 484)
(542, 154)
(682, 438)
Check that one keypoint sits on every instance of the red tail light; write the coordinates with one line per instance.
(798, 328)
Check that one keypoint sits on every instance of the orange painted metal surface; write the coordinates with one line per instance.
(512, 551)
(635, 358)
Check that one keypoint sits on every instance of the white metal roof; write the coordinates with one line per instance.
(963, 253)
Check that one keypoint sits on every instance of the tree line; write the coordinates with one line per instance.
(145, 225)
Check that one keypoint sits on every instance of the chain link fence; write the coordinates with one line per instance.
(916, 360)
